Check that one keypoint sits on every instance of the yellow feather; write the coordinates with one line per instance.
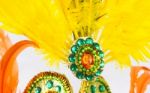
(83, 16)
(126, 30)
(122, 27)
(43, 21)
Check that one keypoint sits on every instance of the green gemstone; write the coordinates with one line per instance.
(72, 58)
(102, 64)
(74, 48)
(96, 45)
(89, 41)
(90, 77)
(98, 73)
(101, 54)
(58, 88)
(49, 84)
(93, 89)
(80, 42)
(73, 67)
(79, 75)
(38, 90)
(101, 88)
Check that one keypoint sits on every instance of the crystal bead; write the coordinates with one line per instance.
(79, 75)
(72, 58)
(101, 88)
(49, 84)
(93, 89)
(102, 64)
(96, 45)
(98, 73)
(80, 42)
(38, 90)
(101, 54)
(58, 88)
(73, 67)
(89, 41)
(74, 48)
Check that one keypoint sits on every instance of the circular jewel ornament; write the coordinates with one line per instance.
(49, 82)
(99, 85)
(86, 59)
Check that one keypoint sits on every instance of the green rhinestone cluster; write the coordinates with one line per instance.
(48, 82)
(81, 47)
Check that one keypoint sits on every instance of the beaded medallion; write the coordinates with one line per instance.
(49, 82)
(86, 59)
(99, 85)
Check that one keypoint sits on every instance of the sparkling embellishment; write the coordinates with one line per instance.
(96, 45)
(93, 89)
(101, 88)
(80, 75)
(98, 85)
(58, 88)
(98, 73)
(44, 82)
(86, 59)
(49, 84)
(38, 90)
(89, 41)
(74, 49)
(72, 58)
(73, 67)
(80, 42)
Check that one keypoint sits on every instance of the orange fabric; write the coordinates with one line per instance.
(9, 71)
(139, 83)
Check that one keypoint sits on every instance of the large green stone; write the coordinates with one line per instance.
(79, 75)
(101, 54)
(102, 64)
(73, 67)
(80, 42)
(93, 89)
(98, 73)
(74, 48)
(96, 45)
(72, 58)
(89, 41)
(101, 88)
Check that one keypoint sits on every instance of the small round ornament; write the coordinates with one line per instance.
(86, 59)
(49, 82)
(99, 85)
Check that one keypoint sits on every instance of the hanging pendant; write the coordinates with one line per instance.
(99, 85)
(49, 82)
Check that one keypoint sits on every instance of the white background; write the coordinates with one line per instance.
(31, 63)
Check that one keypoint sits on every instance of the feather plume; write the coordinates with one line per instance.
(120, 26)
(43, 21)
(126, 30)
(83, 16)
